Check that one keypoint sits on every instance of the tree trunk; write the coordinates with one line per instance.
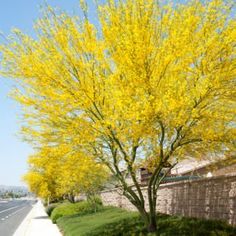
(149, 220)
(152, 227)
(71, 198)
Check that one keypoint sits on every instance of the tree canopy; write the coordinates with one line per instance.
(56, 172)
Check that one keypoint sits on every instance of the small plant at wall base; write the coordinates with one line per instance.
(154, 83)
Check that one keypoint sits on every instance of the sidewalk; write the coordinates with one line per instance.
(37, 223)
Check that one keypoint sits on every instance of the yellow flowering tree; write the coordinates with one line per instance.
(80, 174)
(56, 173)
(43, 173)
(153, 83)
(38, 185)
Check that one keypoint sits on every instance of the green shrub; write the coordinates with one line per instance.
(49, 209)
(183, 226)
(95, 199)
(79, 208)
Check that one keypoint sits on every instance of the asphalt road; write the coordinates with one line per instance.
(12, 213)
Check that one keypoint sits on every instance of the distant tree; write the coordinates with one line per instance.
(55, 173)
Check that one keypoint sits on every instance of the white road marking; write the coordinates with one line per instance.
(6, 217)
(18, 210)
(3, 201)
(12, 214)
(8, 209)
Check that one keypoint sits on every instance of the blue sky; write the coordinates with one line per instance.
(13, 154)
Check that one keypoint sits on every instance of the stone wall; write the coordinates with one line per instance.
(205, 198)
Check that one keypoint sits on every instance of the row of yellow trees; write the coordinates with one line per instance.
(57, 172)
(151, 83)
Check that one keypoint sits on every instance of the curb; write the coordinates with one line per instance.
(37, 223)
(22, 228)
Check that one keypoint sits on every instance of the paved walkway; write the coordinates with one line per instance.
(37, 223)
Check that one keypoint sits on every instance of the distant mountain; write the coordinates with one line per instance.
(14, 189)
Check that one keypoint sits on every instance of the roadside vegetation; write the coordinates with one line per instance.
(80, 208)
(81, 219)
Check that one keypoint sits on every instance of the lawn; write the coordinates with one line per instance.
(113, 221)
